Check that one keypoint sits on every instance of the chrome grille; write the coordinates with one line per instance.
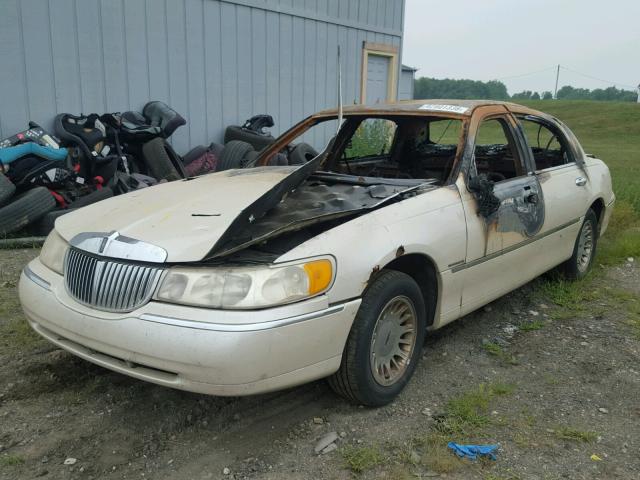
(108, 285)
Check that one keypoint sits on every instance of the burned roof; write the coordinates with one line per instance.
(462, 108)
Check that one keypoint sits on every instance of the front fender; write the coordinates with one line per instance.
(431, 224)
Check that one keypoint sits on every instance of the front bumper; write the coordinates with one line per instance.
(207, 351)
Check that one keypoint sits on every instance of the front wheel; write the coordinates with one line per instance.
(584, 249)
(385, 341)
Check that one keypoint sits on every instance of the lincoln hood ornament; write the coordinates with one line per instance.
(114, 245)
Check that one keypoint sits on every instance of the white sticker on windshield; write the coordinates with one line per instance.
(444, 108)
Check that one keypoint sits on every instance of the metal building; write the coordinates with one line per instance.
(217, 62)
(405, 88)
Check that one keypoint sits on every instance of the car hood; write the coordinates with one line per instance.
(186, 217)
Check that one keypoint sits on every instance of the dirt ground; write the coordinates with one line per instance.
(550, 372)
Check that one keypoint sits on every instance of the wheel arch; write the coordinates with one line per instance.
(424, 272)
(598, 208)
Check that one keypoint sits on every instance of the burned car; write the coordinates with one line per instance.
(251, 280)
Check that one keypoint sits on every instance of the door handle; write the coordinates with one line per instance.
(581, 181)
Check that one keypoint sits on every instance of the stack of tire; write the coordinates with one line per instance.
(243, 145)
(35, 209)
(18, 211)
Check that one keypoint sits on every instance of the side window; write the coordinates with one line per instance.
(373, 138)
(547, 146)
(496, 155)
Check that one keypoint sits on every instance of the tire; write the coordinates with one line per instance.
(43, 226)
(233, 155)
(25, 209)
(250, 159)
(279, 159)
(157, 159)
(7, 189)
(191, 155)
(584, 250)
(355, 379)
(216, 149)
(93, 197)
(257, 141)
(302, 153)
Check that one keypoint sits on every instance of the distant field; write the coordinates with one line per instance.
(610, 131)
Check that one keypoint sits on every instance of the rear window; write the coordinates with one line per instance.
(548, 146)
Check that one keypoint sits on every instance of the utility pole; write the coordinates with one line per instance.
(638, 93)
(555, 93)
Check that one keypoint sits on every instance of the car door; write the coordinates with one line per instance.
(559, 168)
(504, 207)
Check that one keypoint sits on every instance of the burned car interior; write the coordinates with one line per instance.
(496, 154)
(370, 161)
(418, 148)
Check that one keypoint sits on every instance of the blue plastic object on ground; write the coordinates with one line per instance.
(473, 451)
(9, 154)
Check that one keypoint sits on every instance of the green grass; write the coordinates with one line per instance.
(10, 460)
(497, 351)
(568, 295)
(575, 435)
(531, 326)
(361, 458)
(437, 456)
(16, 334)
(467, 413)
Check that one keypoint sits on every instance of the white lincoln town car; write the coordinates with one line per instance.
(255, 279)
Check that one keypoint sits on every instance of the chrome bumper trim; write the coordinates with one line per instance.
(246, 327)
(36, 279)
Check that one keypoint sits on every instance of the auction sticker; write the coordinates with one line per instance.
(444, 108)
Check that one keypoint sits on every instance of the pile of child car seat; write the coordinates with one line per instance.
(90, 158)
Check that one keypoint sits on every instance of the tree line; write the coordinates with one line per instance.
(425, 87)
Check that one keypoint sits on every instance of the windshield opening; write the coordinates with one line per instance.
(392, 147)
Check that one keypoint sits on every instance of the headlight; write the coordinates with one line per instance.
(247, 287)
(52, 253)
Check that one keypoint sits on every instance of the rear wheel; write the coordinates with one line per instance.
(584, 249)
(384, 343)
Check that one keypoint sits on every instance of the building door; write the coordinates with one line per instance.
(377, 78)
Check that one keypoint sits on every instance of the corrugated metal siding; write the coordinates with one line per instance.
(405, 87)
(216, 62)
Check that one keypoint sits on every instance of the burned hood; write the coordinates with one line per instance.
(321, 199)
(218, 214)
(185, 218)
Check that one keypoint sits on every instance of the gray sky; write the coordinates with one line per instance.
(484, 40)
